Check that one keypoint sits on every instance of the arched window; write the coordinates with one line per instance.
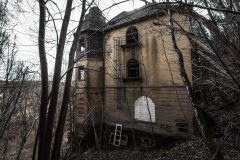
(132, 35)
(144, 109)
(132, 68)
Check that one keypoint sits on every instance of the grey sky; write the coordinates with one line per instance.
(27, 26)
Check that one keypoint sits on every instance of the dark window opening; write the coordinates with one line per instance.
(81, 73)
(82, 45)
(132, 35)
(132, 68)
(83, 48)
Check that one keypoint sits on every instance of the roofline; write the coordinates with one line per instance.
(131, 22)
(160, 13)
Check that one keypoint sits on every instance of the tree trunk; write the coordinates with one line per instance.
(44, 75)
(48, 131)
(66, 94)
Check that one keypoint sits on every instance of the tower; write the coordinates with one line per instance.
(89, 69)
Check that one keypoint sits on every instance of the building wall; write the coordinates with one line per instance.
(89, 93)
(155, 55)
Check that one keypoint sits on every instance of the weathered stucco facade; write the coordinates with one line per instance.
(136, 81)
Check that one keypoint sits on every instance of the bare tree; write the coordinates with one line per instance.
(66, 95)
(46, 126)
(44, 77)
(218, 11)
(199, 116)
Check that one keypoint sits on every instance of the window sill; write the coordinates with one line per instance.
(146, 122)
(132, 79)
(136, 44)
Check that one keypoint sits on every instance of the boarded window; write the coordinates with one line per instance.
(132, 68)
(144, 109)
(81, 73)
(132, 35)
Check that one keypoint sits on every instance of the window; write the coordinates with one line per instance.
(144, 109)
(132, 35)
(82, 45)
(132, 68)
(81, 73)
(83, 48)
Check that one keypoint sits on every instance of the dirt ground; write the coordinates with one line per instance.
(228, 138)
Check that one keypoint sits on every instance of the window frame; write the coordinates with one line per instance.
(81, 73)
(82, 45)
(132, 36)
(133, 68)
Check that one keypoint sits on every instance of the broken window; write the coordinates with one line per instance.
(144, 109)
(133, 68)
(132, 35)
(81, 73)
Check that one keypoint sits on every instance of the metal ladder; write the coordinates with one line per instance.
(117, 43)
(117, 135)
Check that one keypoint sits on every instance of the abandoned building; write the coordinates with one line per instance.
(127, 73)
